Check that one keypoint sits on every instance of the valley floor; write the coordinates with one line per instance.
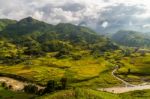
(83, 75)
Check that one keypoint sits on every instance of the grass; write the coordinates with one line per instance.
(7, 94)
(103, 80)
(144, 94)
(39, 74)
(82, 93)
(88, 71)
(84, 75)
(139, 68)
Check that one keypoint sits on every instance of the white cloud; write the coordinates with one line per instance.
(105, 24)
(38, 15)
(92, 13)
(146, 26)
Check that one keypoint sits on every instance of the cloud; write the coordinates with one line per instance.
(120, 17)
(146, 26)
(100, 15)
(105, 24)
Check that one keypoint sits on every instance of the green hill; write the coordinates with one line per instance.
(132, 38)
(43, 52)
(40, 37)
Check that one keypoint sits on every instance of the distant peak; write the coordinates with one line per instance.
(28, 19)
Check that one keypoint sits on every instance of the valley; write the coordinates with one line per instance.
(64, 61)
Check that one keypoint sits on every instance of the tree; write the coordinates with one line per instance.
(127, 52)
(31, 88)
(50, 86)
(143, 53)
(62, 53)
(64, 83)
(129, 71)
(10, 87)
(4, 84)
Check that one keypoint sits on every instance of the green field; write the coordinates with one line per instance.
(135, 68)
(80, 93)
(88, 71)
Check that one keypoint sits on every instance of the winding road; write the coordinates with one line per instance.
(123, 81)
(128, 87)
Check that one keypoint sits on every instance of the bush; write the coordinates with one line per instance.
(51, 85)
(76, 57)
(31, 89)
(62, 53)
(64, 83)
(4, 84)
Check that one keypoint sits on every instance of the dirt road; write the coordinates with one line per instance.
(128, 87)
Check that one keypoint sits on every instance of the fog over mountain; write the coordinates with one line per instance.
(101, 15)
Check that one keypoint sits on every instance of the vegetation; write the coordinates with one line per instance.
(31, 89)
(132, 38)
(135, 68)
(7, 94)
(38, 37)
(82, 93)
(70, 61)
(5, 22)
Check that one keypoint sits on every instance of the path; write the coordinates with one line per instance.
(123, 81)
(128, 87)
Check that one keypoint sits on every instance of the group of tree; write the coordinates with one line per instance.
(51, 86)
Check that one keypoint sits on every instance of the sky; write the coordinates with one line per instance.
(104, 16)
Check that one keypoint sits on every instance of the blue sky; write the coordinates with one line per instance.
(100, 15)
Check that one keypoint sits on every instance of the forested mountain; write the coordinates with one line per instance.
(37, 37)
(132, 38)
(5, 22)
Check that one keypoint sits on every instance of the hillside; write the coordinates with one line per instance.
(5, 22)
(61, 57)
(80, 93)
(132, 38)
(39, 37)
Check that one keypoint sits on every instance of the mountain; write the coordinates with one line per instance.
(25, 26)
(38, 36)
(5, 22)
(132, 38)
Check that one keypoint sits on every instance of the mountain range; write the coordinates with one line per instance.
(37, 36)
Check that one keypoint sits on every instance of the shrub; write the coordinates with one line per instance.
(31, 88)
(50, 86)
(64, 83)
